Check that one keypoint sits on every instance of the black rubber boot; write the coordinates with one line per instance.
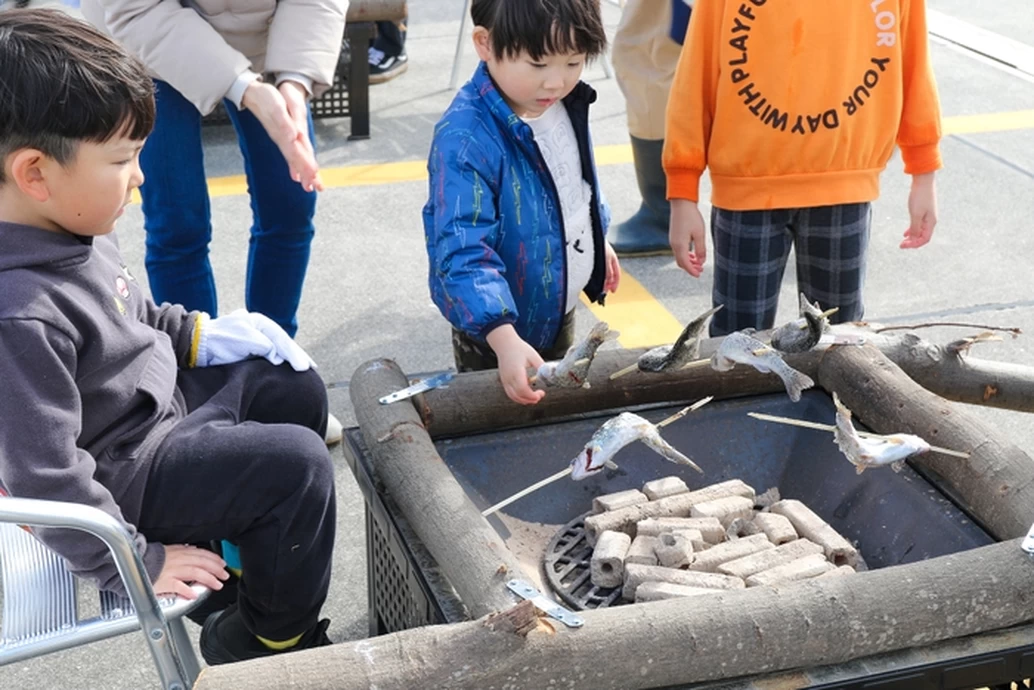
(646, 232)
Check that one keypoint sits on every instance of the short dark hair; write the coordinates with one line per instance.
(541, 27)
(63, 82)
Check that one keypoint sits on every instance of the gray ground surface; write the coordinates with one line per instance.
(366, 295)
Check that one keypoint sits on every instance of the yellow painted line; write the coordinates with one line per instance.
(641, 320)
(614, 154)
(989, 122)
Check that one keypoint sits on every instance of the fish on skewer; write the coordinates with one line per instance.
(615, 434)
(803, 333)
(573, 370)
(743, 348)
(809, 330)
(684, 350)
(871, 452)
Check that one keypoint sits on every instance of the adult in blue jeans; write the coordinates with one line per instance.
(264, 60)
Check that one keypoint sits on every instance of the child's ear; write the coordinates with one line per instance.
(25, 168)
(483, 43)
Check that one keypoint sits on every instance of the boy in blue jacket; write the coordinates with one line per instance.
(515, 224)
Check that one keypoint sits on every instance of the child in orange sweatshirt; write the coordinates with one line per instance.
(795, 107)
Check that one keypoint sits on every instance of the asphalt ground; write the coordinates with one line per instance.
(366, 293)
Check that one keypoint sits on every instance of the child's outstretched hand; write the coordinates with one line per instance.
(613, 270)
(515, 358)
(686, 234)
(922, 211)
(186, 564)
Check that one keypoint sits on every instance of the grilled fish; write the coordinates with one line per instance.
(684, 350)
(573, 370)
(744, 348)
(870, 452)
(615, 434)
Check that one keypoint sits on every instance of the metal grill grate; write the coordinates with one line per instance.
(567, 569)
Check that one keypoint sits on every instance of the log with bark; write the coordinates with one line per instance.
(472, 556)
(475, 402)
(736, 633)
(995, 484)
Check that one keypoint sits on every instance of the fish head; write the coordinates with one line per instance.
(721, 363)
(588, 462)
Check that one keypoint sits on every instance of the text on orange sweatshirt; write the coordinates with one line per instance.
(799, 103)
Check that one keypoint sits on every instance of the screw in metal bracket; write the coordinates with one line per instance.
(1028, 542)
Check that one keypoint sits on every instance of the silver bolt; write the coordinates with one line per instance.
(156, 634)
(1028, 542)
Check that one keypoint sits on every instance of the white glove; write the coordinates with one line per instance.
(245, 334)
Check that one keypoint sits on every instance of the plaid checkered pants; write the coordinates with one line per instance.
(751, 249)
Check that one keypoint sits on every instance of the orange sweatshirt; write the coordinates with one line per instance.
(799, 103)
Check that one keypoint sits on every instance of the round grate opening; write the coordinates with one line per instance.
(567, 569)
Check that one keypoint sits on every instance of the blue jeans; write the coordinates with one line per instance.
(178, 218)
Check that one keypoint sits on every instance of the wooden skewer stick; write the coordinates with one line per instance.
(567, 470)
(829, 427)
(627, 370)
(696, 363)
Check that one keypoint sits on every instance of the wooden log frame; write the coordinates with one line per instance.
(759, 630)
(661, 644)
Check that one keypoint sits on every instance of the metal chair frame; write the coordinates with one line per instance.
(40, 608)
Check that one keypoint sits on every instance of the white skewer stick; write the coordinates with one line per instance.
(567, 470)
(829, 427)
(696, 363)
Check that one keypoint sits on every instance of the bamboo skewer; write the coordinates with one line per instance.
(567, 470)
(829, 427)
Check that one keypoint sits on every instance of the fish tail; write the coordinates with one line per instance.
(796, 383)
(668, 451)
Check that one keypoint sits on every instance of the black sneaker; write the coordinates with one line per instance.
(384, 67)
(224, 639)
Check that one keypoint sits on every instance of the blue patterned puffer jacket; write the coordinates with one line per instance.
(495, 236)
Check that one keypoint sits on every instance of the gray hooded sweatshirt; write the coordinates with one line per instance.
(88, 369)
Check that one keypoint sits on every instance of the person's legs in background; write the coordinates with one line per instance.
(645, 57)
(751, 249)
(387, 56)
(282, 228)
(831, 244)
(177, 215)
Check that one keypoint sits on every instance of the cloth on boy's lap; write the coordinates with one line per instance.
(492, 220)
(88, 365)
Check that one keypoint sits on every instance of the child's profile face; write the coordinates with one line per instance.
(531, 86)
(89, 193)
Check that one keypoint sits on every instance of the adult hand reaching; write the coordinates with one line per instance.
(274, 111)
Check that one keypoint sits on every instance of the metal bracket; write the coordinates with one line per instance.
(550, 608)
(419, 387)
(1028, 542)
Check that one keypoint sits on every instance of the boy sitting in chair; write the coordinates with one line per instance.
(187, 429)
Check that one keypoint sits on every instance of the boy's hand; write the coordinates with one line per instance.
(515, 358)
(613, 269)
(686, 235)
(922, 211)
(267, 103)
(188, 564)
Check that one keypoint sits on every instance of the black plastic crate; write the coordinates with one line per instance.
(404, 586)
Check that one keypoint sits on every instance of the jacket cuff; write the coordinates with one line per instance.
(296, 77)
(197, 357)
(684, 184)
(236, 93)
(482, 335)
(921, 159)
